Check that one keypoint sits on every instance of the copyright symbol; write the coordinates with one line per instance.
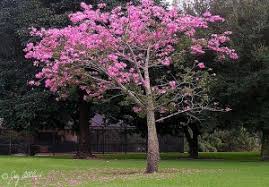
(4, 176)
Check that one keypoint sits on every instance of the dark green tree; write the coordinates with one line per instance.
(243, 85)
(24, 107)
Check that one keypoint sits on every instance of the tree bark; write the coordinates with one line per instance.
(265, 145)
(192, 141)
(194, 150)
(153, 156)
(84, 148)
(188, 137)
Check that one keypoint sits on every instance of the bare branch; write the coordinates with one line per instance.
(130, 93)
(174, 114)
(122, 87)
(146, 73)
(113, 97)
(135, 62)
(191, 109)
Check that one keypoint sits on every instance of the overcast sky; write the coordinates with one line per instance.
(179, 1)
(170, 1)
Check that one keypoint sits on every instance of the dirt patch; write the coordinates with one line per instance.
(105, 175)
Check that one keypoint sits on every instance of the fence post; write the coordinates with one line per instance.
(10, 142)
(121, 139)
(125, 139)
(104, 139)
(97, 140)
(28, 143)
(53, 142)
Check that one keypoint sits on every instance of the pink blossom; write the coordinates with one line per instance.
(197, 49)
(101, 5)
(29, 47)
(31, 82)
(228, 32)
(85, 6)
(234, 56)
(207, 14)
(162, 110)
(212, 18)
(201, 65)
(172, 84)
(137, 109)
(166, 62)
(113, 57)
(39, 75)
(103, 50)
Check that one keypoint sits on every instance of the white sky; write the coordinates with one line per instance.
(169, 1)
(179, 1)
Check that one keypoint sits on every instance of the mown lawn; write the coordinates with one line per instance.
(115, 170)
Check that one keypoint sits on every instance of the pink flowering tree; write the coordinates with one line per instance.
(131, 50)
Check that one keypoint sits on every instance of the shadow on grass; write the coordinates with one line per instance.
(223, 156)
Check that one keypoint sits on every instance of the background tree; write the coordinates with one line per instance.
(243, 85)
(23, 107)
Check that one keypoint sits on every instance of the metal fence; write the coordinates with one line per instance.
(103, 140)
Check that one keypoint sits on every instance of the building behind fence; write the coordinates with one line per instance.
(103, 139)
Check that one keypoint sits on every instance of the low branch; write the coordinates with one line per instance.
(191, 109)
(130, 93)
(135, 62)
(174, 114)
(113, 97)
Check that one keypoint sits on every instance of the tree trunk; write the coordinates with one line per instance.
(153, 156)
(188, 137)
(194, 150)
(192, 141)
(265, 144)
(84, 148)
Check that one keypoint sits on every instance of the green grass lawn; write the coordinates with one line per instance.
(213, 170)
